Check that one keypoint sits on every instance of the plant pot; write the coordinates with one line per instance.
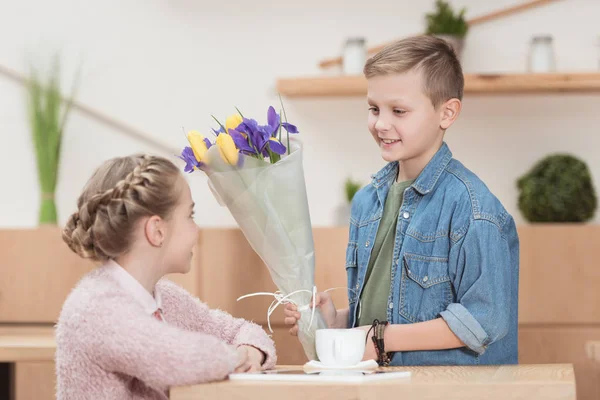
(456, 42)
(48, 210)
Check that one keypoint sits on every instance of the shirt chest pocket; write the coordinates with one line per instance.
(425, 290)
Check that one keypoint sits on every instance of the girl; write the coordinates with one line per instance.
(124, 332)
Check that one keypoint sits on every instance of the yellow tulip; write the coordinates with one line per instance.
(229, 153)
(198, 145)
(233, 122)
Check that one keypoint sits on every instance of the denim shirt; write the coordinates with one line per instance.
(456, 256)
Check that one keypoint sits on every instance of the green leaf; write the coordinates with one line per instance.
(48, 113)
(279, 129)
(273, 157)
(351, 188)
(239, 112)
(444, 21)
(286, 120)
(558, 188)
(220, 124)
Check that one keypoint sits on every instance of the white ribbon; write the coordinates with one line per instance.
(281, 299)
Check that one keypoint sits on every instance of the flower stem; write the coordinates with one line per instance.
(220, 124)
(285, 116)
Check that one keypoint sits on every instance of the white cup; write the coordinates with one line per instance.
(340, 347)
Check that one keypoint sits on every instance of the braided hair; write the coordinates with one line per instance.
(117, 196)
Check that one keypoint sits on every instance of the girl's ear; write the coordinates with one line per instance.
(155, 230)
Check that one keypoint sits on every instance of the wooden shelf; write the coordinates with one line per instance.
(344, 86)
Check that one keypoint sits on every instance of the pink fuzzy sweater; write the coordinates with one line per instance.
(110, 347)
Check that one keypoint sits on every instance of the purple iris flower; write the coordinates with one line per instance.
(273, 122)
(187, 155)
(289, 127)
(259, 135)
(218, 131)
(253, 139)
(241, 142)
(276, 147)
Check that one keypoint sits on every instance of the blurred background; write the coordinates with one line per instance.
(145, 71)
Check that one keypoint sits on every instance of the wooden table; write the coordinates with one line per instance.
(592, 349)
(527, 382)
(29, 345)
(26, 343)
(29, 349)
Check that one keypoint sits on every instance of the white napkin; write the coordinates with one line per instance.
(368, 365)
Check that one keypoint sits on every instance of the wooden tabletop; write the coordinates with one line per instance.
(26, 343)
(528, 382)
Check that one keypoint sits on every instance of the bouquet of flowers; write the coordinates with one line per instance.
(258, 175)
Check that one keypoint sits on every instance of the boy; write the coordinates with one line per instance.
(431, 250)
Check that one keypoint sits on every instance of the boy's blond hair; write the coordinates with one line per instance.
(433, 57)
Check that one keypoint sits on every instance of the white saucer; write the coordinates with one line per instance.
(368, 365)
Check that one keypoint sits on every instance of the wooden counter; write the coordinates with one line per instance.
(20, 343)
(29, 349)
(530, 382)
(592, 349)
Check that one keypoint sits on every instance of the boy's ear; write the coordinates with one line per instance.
(155, 231)
(449, 112)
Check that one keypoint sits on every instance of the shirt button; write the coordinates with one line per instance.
(391, 306)
(367, 244)
(425, 278)
(406, 215)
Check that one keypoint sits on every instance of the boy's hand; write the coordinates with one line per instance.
(323, 302)
(250, 359)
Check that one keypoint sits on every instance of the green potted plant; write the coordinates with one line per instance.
(448, 25)
(558, 188)
(351, 187)
(47, 116)
(343, 211)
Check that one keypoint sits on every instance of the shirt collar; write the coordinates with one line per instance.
(426, 180)
(133, 287)
(430, 175)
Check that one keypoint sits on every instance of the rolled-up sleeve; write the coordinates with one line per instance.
(482, 282)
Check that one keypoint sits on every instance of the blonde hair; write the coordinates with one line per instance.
(433, 57)
(120, 192)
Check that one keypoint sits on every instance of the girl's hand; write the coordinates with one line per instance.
(250, 359)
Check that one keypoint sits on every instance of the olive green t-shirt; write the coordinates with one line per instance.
(374, 298)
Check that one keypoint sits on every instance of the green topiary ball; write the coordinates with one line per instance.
(558, 189)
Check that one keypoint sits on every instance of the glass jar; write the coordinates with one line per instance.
(354, 56)
(541, 54)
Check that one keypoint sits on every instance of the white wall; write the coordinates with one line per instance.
(160, 65)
